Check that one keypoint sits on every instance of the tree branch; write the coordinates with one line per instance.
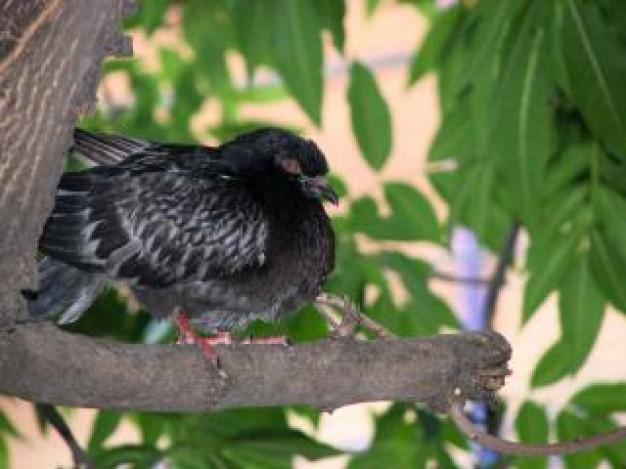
(499, 275)
(41, 363)
(54, 418)
(494, 443)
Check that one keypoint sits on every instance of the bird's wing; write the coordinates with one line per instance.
(106, 149)
(156, 223)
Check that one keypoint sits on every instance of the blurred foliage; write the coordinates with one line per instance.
(534, 125)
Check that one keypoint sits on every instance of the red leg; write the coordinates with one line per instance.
(186, 335)
(273, 340)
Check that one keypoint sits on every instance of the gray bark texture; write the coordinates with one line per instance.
(40, 363)
(50, 57)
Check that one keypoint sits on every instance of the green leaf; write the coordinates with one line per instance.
(602, 399)
(552, 366)
(104, 426)
(297, 49)
(548, 262)
(252, 22)
(332, 14)
(7, 427)
(395, 440)
(609, 267)
(573, 426)
(371, 6)
(171, 64)
(412, 217)
(429, 54)
(581, 308)
(532, 427)
(133, 455)
(149, 16)
(371, 120)
(283, 446)
(523, 129)
(595, 63)
(4, 453)
(409, 205)
(425, 313)
(492, 20)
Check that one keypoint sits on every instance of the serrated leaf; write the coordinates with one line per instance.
(429, 54)
(581, 309)
(595, 65)
(553, 259)
(371, 120)
(104, 425)
(297, 51)
(532, 427)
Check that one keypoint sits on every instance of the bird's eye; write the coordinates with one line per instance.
(291, 165)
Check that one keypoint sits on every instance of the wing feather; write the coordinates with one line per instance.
(153, 220)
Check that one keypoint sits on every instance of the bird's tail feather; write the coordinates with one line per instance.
(64, 290)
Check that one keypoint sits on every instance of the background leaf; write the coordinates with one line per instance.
(297, 52)
(371, 120)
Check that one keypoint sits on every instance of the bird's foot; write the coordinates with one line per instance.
(273, 340)
(350, 316)
(186, 335)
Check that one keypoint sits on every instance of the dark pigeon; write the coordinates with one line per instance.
(222, 236)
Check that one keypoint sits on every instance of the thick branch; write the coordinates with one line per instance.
(41, 363)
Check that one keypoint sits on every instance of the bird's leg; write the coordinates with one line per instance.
(186, 335)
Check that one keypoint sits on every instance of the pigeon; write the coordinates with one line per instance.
(219, 236)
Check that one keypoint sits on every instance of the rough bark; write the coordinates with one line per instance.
(41, 363)
(50, 55)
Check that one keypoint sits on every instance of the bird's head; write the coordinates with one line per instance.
(279, 153)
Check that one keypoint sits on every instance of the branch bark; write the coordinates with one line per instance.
(39, 362)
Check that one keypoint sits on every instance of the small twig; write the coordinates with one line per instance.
(497, 280)
(455, 412)
(459, 279)
(352, 317)
(79, 455)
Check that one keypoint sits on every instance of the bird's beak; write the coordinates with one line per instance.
(319, 187)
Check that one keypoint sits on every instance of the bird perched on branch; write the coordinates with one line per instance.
(220, 236)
